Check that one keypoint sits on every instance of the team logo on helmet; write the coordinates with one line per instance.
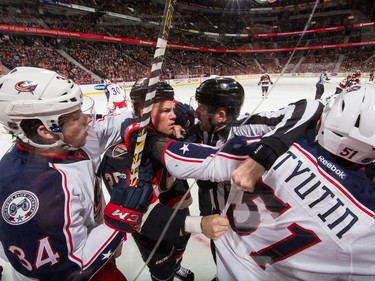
(26, 86)
(20, 207)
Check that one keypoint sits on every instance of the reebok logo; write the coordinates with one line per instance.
(341, 174)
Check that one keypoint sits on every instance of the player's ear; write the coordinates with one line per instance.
(222, 115)
(45, 134)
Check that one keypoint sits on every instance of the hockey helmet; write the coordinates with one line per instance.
(36, 93)
(138, 92)
(347, 129)
(221, 92)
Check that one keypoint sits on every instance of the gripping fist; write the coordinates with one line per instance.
(128, 203)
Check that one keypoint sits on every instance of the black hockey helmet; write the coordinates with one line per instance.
(138, 92)
(222, 92)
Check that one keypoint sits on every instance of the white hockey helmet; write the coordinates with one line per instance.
(347, 128)
(36, 93)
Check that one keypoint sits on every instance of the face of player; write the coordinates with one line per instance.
(74, 128)
(206, 119)
(163, 117)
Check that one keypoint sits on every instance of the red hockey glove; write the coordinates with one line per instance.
(128, 203)
(131, 134)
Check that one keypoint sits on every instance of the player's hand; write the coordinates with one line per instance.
(128, 203)
(179, 132)
(247, 174)
(214, 226)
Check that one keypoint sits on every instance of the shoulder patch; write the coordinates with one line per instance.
(20, 207)
(119, 150)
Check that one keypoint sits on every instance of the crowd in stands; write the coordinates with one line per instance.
(89, 61)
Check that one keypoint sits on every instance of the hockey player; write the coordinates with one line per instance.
(116, 97)
(323, 78)
(165, 264)
(343, 84)
(311, 215)
(371, 78)
(265, 81)
(51, 227)
(356, 76)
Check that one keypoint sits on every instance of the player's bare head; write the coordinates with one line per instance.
(32, 96)
(347, 128)
(138, 92)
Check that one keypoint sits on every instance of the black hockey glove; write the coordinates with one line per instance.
(128, 203)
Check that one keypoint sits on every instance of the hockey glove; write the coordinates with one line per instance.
(131, 132)
(128, 203)
(184, 116)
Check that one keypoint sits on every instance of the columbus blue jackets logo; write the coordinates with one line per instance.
(20, 207)
(119, 150)
(26, 87)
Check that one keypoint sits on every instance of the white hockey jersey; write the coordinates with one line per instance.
(116, 93)
(51, 226)
(309, 218)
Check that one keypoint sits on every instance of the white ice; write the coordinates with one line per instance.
(198, 255)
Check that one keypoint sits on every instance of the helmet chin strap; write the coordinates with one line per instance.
(59, 143)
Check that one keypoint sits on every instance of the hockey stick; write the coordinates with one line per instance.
(151, 87)
(151, 90)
